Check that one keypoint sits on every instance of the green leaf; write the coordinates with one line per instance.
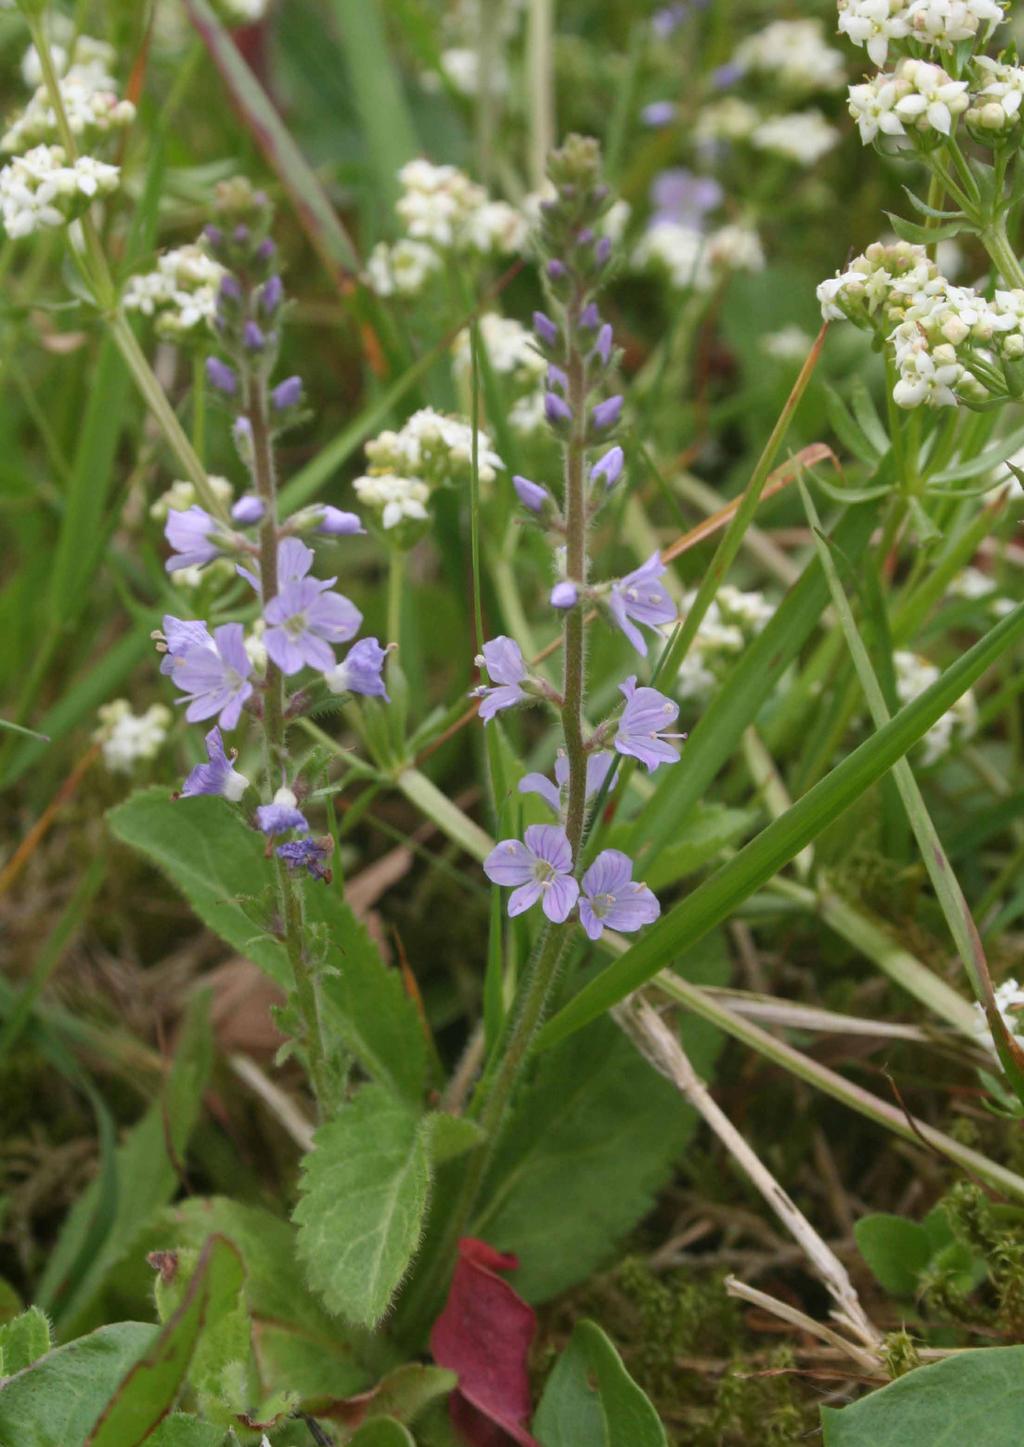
(147, 1168)
(715, 898)
(975, 1396)
(590, 1397)
(151, 1386)
(385, 1432)
(592, 1140)
(181, 1430)
(709, 829)
(23, 1341)
(364, 1193)
(54, 1402)
(927, 235)
(448, 1136)
(897, 1250)
(207, 851)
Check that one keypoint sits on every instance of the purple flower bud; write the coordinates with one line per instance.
(726, 75)
(240, 235)
(213, 236)
(249, 509)
(557, 410)
(337, 524)
(607, 413)
(564, 595)
(604, 343)
(530, 494)
(230, 289)
(220, 376)
(286, 394)
(253, 337)
(557, 270)
(272, 295)
(266, 251)
(609, 467)
(557, 378)
(545, 329)
(659, 113)
(603, 250)
(242, 433)
(585, 237)
(590, 317)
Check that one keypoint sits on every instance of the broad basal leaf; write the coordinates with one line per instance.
(364, 1194)
(897, 1250)
(55, 1402)
(218, 863)
(590, 1397)
(976, 1396)
(150, 1388)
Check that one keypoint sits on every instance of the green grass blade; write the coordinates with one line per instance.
(384, 117)
(716, 898)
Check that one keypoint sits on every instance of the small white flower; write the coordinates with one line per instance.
(510, 350)
(803, 136)
(39, 191)
(1010, 1004)
(395, 498)
(402, 269)
(794, 54)
(873, 24)
(872, 105)
(126, 739)
(934, 97)
(789, 344)
(678, 251)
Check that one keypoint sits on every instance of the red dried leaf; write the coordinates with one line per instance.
(484, 1334)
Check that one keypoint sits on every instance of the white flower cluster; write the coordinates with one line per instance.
(181, 293)
(241, 12)
(40, 191)
(127, 739)
(932, 326)
(67, 49)
(692, 259)
(996, 104)
(181, 495)
(732, 621)
(916, 95)
(510, 350)
(794, 55)
(444, 213)
(801, 136)
(913, 676)
(1010, 1004)
(876, 24)
(432, 450)
(91, 104)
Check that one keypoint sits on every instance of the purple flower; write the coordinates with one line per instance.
(540, 869)
(304, 619)
(360, 671)
(564, 594)
(218, 776)
(213, 675)
(220, 376)
(603, 345)
(640, 596)
(659, 113)
(309, 854)
(189, 530)
(531, 494)
(271, 295)
(281, 815)
(253, 337)
(668, 19)
(286, 394)
(609, 467)
(603, 250)
(506, 668)
(613, 899)
(557, 270)
(248, 510)
(545, 329)
(598, 766)
(607, 413)
(679, 196)
(178, 637)
(338, 524)
(640, 732)
(557, 377)
(590, 317)
(726, 75)
(557, 410)
(294, 560)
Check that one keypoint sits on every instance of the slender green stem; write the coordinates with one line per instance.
(274, 728)
(574, 679)
(1004, 258)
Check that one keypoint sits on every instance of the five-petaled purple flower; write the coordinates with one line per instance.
(219, 776)
(304, 620)
(539, 869)
(212, 673)
(640, 597)
(506, 668)
(190, 532)
(178, 636)
(641, 731)
(309, 854)
(360, 671)
(598, 766)
(613, 899)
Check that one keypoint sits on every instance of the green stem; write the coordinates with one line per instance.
(1004, 258)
